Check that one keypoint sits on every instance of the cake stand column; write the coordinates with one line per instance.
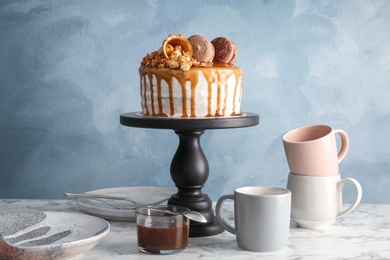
(189, 171)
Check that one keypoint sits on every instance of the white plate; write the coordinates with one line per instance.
(49, 235)
(126, 211)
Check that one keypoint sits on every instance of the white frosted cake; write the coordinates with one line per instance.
(179, 85)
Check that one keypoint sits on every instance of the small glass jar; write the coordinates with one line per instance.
(162, 229)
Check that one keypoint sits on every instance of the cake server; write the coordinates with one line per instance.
(110, 197)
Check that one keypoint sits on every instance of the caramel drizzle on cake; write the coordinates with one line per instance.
(217, 75)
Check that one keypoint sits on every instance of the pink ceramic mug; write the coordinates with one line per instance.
(312, 150)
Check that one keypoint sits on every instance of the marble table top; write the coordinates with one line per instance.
(362, 234)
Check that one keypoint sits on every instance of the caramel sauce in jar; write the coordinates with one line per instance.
(161, 233)
(162, 237)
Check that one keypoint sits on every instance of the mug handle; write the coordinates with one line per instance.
(219, 214)
(340, 187)
(344, 143)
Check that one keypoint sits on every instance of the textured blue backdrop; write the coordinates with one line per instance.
(68, 69)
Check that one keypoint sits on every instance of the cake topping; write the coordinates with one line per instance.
(178, 52)
(225, 50)
(174, 41)
(203, 50)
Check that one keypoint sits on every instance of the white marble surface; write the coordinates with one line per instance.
(362, 234)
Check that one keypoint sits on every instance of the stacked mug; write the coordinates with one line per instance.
(314, 179)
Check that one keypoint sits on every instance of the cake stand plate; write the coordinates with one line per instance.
(189, 167)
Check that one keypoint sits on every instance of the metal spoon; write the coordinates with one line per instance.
(196, 216)
(100, 196)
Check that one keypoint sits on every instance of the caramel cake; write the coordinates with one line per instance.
(191, 78)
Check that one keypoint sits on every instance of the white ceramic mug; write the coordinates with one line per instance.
(261, 217)
(312, 150)
(316, 202)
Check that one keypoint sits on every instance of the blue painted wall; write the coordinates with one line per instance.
(68, 69)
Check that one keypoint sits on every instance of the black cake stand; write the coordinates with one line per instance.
(189, 166)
